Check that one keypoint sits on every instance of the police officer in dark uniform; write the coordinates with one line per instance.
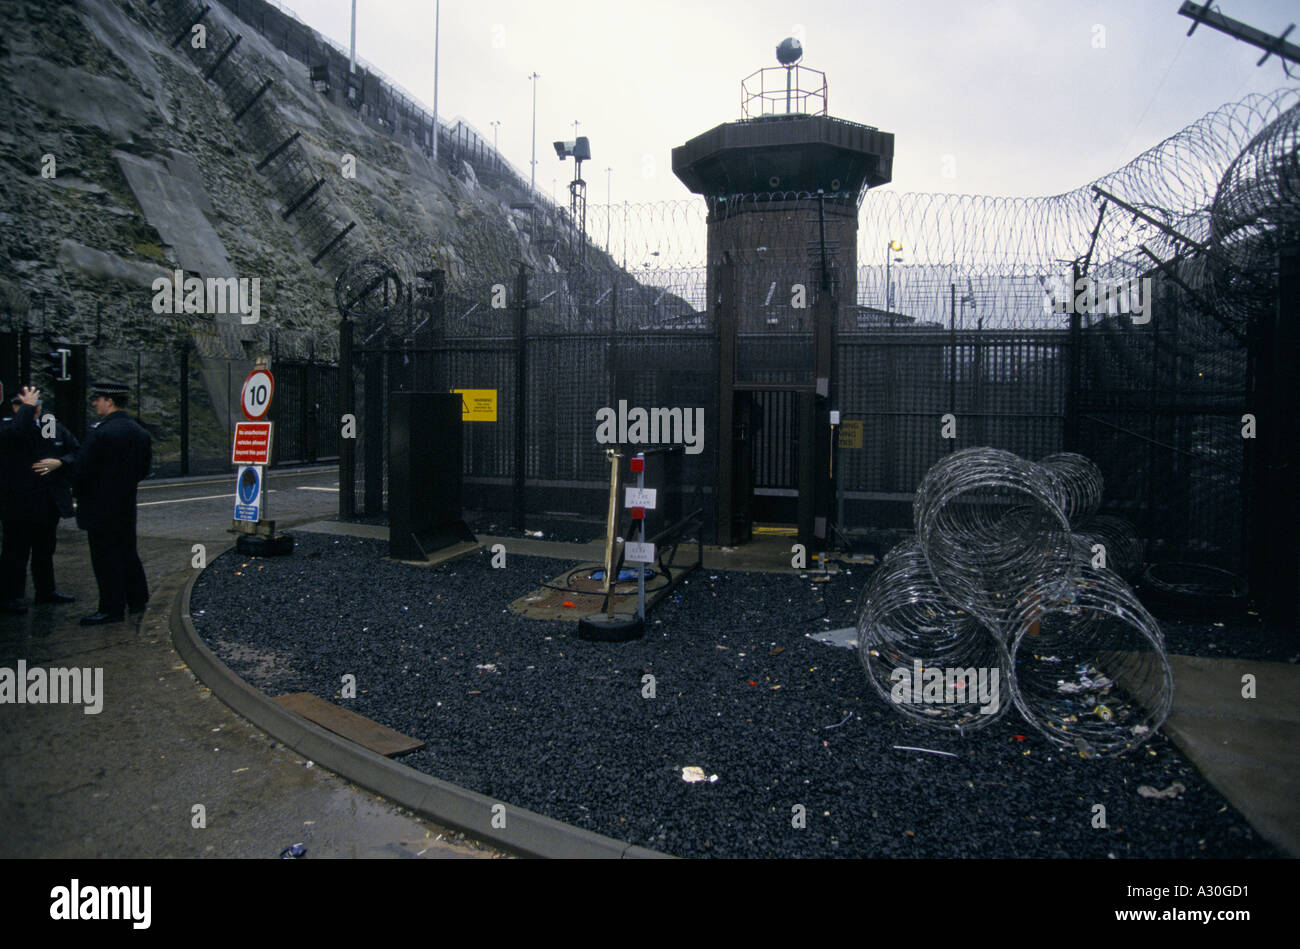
(31, 501)
(116, 456)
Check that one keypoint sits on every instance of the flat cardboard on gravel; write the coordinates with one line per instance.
(369, 734)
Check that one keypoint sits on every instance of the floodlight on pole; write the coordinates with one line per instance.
(895, 247)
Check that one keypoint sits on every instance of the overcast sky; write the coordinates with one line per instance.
(1029, 97)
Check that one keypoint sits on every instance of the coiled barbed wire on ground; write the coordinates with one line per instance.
(926, 656)
(990, 523)
(1123, 549)
(1080, 482)
(995, 584)
(1089, 664)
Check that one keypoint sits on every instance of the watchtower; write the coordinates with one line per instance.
(783, 186)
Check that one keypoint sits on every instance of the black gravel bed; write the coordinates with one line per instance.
(562, 528)
(523, 711)
(1242, 636)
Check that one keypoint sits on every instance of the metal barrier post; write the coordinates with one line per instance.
(346, 405)
(640, 569)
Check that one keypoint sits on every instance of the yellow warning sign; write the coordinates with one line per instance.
(851, 433)
(477, 405)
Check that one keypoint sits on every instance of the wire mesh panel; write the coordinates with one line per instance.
(673, 375)
(288, 413)
(1160, 407)
(1004, 389)
(564, 396)
(328, 422)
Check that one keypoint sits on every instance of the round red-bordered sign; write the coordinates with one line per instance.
(255, 397)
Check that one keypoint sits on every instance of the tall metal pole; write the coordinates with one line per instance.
(532, 177)
(352, 55)
(185, 408)
(577, 176)
(640, 567)
(892, 248)
(519, 499)
(437, 11)
(347, 402)
(609, 208)
(889, 287)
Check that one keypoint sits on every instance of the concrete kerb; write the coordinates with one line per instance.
(525, 832)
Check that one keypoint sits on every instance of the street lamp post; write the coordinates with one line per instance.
(532, 177)
(352, 50)
(496, 153)
(437, 9)
(573, 186)
(891, 249)
(609, 208)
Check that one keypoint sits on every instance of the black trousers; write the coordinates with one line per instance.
(24, 540)
(118, 570)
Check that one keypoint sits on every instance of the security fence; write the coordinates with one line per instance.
(187, 394)
(581, 346)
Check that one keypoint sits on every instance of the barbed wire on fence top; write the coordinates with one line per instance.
(1256, 209)
(970, 235)
(1175, 180)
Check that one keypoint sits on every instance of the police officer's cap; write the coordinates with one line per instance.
(109, 388)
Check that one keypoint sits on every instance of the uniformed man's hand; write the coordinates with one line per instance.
(46, 465)
(30, 395)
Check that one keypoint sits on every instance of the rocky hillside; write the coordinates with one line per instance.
(124, 163)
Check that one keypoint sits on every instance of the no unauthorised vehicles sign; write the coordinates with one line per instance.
(252, 443)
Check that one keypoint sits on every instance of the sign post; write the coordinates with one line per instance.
(251, 452)
(642, 553)
(608, 625)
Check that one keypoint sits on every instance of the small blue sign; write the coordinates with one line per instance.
(248, 494)
(249, 484)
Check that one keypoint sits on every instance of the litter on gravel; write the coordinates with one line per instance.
(693, 774)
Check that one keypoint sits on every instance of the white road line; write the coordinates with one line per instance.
(209, 497)
(279, 473)
(308, 487)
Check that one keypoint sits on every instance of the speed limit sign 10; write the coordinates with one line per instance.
(256, 395)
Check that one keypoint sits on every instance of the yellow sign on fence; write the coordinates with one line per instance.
(851, 433)
(477, 405)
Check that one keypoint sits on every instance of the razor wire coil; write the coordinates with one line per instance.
(1090, 669)
(926, 656)
(996, 584)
